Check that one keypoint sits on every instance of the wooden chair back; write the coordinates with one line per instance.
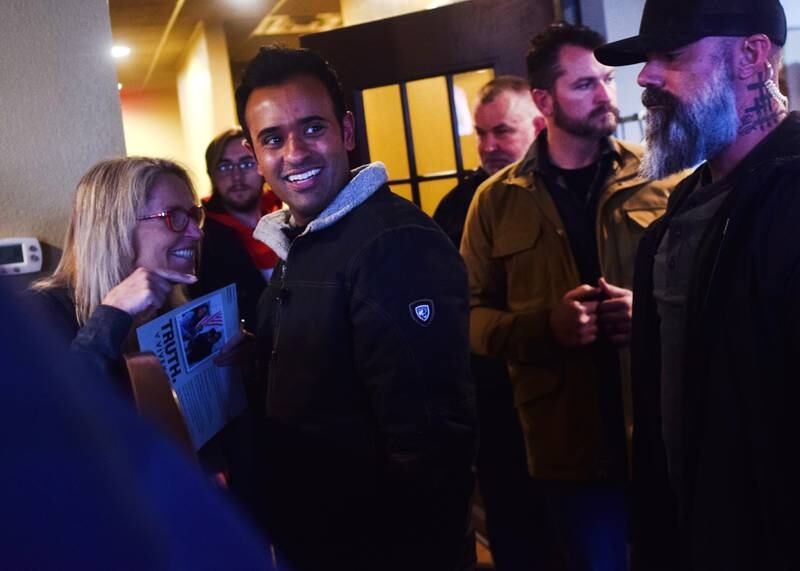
(155, 399)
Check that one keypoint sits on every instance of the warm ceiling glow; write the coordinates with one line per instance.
(120, 51)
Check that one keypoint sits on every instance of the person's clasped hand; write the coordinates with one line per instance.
(586, 311)
(574, 319)
(614, 313)
(239, 350)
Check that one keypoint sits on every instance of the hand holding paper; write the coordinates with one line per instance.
(238, 351)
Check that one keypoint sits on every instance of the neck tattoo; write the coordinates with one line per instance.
(763, 113)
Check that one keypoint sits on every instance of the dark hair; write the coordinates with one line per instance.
(276, 64)
(500, 84)
(216, 148)
(214, 152)
(542, 59)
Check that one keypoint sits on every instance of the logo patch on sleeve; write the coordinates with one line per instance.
(422, 311)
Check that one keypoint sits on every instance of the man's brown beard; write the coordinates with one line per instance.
(245, 207)
(584, 127)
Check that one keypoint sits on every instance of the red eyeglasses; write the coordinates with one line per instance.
(177, 219)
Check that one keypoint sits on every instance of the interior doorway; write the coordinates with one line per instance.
(411, 81)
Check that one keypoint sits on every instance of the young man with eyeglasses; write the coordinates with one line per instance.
(229, 252)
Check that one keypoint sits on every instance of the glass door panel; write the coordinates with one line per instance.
(422, 130)
(386, 138)
(429, 111)
(432, 192)
(465, 92)
(403, 190)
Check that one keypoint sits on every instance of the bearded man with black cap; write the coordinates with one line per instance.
(716, 322)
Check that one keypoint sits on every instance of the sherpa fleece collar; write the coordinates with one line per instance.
(365, 181)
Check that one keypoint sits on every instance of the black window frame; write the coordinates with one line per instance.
(414, 178)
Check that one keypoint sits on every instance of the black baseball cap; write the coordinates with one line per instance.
(670, 24)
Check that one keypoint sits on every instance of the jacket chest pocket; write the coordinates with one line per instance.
(522, 254)
(639, 219)
(635, 219)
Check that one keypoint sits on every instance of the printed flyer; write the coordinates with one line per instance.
(185, 340)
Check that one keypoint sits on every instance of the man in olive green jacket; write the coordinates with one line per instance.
(549, 245)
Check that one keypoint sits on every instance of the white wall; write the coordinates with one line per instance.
(152, 122)
(792, 10)
(205, 96)
(791, 52)
(618, 19)
(59, 106)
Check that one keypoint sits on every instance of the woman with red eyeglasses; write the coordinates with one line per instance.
(131, 245)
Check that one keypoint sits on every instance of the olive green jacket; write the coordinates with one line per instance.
(520, 265)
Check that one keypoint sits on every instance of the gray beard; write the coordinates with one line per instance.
(685, 134)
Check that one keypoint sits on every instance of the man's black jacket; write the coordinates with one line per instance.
(370, 430)
(740, 384)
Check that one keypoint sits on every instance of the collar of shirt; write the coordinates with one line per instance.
(537, 159)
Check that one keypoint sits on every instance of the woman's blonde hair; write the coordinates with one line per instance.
(98, 249)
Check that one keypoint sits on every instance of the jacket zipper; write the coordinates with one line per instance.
(716, 262)
(276, 327)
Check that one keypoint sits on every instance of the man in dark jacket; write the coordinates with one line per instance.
(370, 425)
(544, 240)
(506, 122)
(716, 319)
(229, 253)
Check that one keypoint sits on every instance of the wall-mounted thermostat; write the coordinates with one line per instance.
(20, 256)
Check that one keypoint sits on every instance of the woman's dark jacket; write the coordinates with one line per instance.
(100, 345)
(370, 411)
(101, 340)
(738, 506)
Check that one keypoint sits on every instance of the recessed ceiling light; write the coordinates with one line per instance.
(120, 51)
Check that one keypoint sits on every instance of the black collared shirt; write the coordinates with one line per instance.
(576, 193)
(672, 271)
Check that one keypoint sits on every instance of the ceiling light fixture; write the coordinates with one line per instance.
(118, 52)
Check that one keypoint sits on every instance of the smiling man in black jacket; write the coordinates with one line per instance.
(370, 425)
(716, 322)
